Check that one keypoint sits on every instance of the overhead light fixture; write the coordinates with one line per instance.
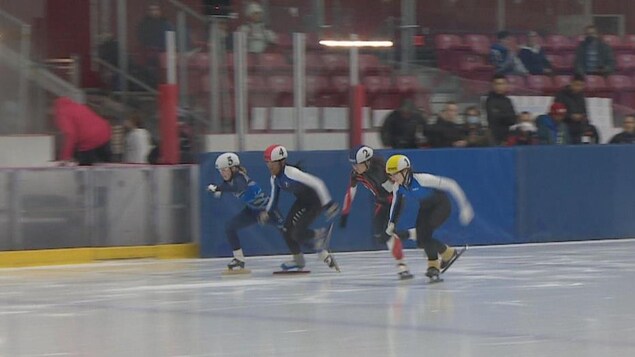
(336, 43)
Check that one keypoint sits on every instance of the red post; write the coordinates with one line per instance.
(168, 125)
(358, 98)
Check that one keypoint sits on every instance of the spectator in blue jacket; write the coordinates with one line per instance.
(533, 56)
(551, 127)
(503, 56)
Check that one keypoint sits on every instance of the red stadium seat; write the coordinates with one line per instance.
(562, 80)
(623, 89)
(335, 63)
(316, 90)
(559, 44)
(474, 67)
(281, 88)
(625, 63)
(448, 48)
(272, 62)
(517, 85)
(479, 44)
(596, 87)
(541, 83)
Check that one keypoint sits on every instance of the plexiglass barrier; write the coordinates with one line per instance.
(97, 207)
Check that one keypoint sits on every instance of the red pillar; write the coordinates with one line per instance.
(358, 98)
(168, 125)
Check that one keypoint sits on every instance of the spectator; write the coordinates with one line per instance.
(403, 128)
(503, 56)
(582, 131)
(86, 134)
(628, 135)
(476, 134)
(572, 96)
(551, 127)
(447, 132)
(500, 110)
(138, 141)
(593, 56)
(151, 30)
(524, 132)
(258, 36)
(533, 56)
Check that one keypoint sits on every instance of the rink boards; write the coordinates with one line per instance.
(520, 195)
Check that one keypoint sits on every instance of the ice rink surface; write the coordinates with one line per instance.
(532, 300)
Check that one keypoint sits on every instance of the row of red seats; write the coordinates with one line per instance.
(619, 87)
(451, 48)
(332, 63)
(382, 92)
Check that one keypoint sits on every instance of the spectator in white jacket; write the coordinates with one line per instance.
(138, 141)
(258, 36)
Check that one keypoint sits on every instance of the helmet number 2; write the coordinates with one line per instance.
(366, 153)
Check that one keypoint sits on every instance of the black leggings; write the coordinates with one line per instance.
(246, 218)
(296, 230)
(433, 211)
(98, 154)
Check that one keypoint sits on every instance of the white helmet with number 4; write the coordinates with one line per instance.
(226, 160)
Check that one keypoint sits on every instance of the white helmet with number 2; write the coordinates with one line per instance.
(226, 160)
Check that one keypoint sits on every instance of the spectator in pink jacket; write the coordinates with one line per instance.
(86, 134)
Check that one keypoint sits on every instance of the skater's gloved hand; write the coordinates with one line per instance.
(466, 215)
(214, 189)
(331, 210)
(263, 217)
(390, 229)
(343, 220)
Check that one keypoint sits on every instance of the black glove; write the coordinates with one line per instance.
(343, 220)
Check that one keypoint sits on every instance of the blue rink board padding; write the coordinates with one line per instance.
(486, 175)
(520, 195)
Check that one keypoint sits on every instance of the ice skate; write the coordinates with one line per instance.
(293, 266)
(403, 272)
(433, 271)
(456, 253)
(330, 261)
(236, 267)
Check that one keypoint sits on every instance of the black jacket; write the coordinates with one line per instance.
(574, 102)
(623, 138)
(444, 133)
(400, 132)
(583, 133)
(500, 115)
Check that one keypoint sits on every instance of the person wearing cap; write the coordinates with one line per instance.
(404, 128)
(503, 56)
(551, 127)
(312, 199)
(259, 38)
(533, 56)
(524, 132)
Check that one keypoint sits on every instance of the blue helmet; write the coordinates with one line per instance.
(359, 154)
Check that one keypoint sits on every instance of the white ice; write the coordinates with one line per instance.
(531, 300)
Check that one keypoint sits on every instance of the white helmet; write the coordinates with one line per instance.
(276, 152)
(228, 159)
(359, 154)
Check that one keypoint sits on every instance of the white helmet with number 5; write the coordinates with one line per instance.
(226, 160)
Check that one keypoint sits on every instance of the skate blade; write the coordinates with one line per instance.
(406, 277)
(435, 280)
(453, 260)
(228, 272)
(291, 272)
